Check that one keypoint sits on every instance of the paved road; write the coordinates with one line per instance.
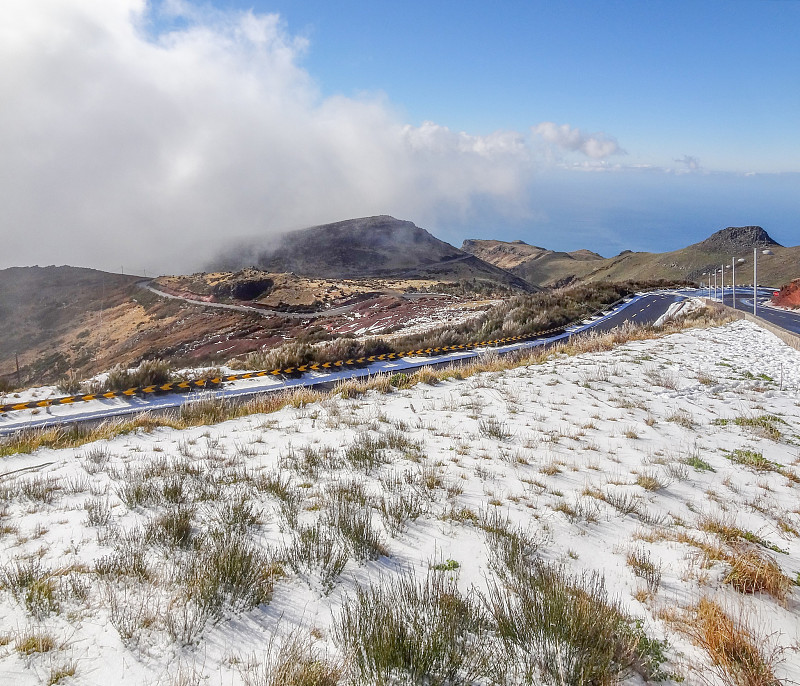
(744, 301)
(645, 310)
(640, 309)
(332, 312)
(251, 310)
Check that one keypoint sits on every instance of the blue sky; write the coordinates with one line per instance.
(716, 80)
(637, 124)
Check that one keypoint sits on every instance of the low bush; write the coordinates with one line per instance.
(415, 632)
(148, 373)
(567, 630)
(229, 571)
(354, 523)
(366, 453)
(317, 549)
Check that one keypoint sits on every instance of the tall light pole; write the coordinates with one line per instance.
(755, 276)
(722, 282)
(734, 262)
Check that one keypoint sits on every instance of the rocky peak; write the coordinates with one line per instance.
(737, 239)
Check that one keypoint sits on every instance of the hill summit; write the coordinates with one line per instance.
(736, 239)
(367, 247)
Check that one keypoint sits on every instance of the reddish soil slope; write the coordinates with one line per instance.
(789, 295)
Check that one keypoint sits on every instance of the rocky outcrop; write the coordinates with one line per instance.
(737, 239)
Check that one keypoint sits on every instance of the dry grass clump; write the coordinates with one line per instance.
(754, 572)
(643, 566)
(764, 426)
(60, 672)
(738, 654)
(751, 569)
(296, 662)
(35, 641)
(148, 373)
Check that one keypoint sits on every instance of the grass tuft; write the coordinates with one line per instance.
(414, 632)
(738, 654)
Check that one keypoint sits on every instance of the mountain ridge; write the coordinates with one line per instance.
(546, 268)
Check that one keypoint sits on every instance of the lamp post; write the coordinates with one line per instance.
(722, 284)
(755, 276)
(734, 262)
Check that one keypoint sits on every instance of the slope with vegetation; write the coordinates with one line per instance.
(599, 514)
(545, 267)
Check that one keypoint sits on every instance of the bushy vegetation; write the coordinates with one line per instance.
(415, 632)
(148, 373)
(520, 315)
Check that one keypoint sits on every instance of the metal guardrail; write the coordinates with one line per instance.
(203, 383)
(193, 384)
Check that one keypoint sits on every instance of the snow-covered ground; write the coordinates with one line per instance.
(633, 454)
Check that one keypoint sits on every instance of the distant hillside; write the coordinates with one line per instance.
(545, 267)
(368, 247)
(536, 265)
(68, 318)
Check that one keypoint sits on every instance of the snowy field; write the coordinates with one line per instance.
(668, 467)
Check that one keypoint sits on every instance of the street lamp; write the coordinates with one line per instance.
(755, 276)
(734, 262)
(722, 283)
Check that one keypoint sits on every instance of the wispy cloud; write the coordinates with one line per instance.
(595, 145)
(689, 163)
(124, 147)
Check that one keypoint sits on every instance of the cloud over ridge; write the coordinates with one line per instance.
(123, 147)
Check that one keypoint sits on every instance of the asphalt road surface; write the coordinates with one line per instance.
(645, 310)
(641, 309)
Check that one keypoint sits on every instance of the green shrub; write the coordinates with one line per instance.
(229, 571)
(566, 630)
(317, 549)
(415, 632)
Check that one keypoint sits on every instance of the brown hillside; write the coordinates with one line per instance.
(67, 318)
(534, 264)
(545, 268)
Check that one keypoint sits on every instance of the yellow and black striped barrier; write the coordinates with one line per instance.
(193, 384)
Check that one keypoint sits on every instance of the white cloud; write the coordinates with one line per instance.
(594, 145)
(120, 148)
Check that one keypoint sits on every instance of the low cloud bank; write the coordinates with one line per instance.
(127, 146)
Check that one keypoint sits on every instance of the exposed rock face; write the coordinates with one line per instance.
(789, 295)
(247, 284)
(737, 239)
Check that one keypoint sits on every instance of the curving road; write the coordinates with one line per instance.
(640, 309)
(249, 309)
